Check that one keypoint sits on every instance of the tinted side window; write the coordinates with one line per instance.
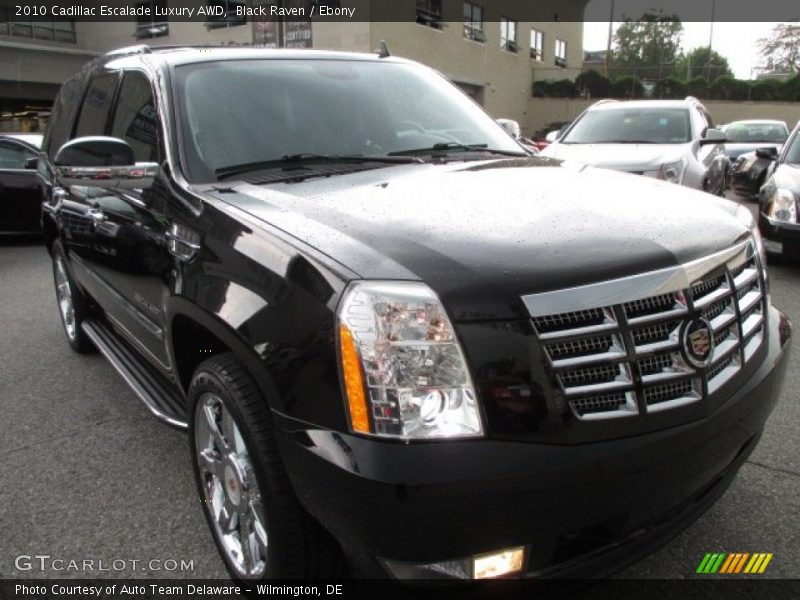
(136, 118)
(13, 156)
(96, 104)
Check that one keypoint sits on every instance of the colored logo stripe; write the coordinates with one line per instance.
(735, 562)
(711, 562)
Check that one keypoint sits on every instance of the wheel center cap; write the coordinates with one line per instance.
(233, 485)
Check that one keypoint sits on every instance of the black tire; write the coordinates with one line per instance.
(298, 546)
(81, 308)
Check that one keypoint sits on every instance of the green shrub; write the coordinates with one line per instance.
(541, 89)
(790, 89)
(627, 86)
(563, 88)
(698, 87)
(671, 87)
(592, 84)
(766, 89)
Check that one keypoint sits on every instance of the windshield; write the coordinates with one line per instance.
(793, 151)
(631, 126)
(753, 133)
(253, 111)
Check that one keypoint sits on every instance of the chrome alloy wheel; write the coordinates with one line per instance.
(64, 296)
(232, 496)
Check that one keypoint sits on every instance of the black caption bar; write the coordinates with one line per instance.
(618, 589)
(400, 10)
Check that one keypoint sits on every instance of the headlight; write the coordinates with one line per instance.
(782, 206)
(672, 172)
(745, 216)
(403, 369)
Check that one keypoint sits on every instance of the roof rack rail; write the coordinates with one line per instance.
(605, 101)
(147, 49)
(138, 49)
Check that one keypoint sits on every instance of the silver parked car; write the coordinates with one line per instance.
(748, 136)
(672, 140)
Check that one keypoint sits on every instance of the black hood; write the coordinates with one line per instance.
(483, 234)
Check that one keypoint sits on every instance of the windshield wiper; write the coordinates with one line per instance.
(309, 158)
(458, 147)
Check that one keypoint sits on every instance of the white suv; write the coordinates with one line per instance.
(673, 140)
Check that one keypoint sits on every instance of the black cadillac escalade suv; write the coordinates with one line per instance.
(398, 341)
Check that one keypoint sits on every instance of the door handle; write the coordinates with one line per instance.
(96, 215)
(59, 194)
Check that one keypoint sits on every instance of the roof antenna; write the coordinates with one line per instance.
(383, 50)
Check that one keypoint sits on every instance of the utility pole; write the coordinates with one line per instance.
(607, 65)
(710, 40)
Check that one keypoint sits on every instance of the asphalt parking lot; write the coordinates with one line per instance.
(87, 473)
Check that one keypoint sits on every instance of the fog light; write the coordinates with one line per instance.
(481, 566)
(498, 563)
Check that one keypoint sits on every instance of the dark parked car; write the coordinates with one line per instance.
(749, 171)
(393, 336)
(778, 198)
(20, 198)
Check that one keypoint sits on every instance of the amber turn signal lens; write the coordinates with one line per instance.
(353, 381)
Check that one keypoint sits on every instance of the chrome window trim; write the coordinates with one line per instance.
(633, 287)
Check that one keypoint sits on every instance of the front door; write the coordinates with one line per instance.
(121, 242)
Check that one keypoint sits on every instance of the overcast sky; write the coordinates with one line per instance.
(735, 41)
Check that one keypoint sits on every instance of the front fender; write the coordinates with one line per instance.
(281, 327)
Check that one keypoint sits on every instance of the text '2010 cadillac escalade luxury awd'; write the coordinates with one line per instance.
(398, 341)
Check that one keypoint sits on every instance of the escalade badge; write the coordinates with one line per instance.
(698, 342)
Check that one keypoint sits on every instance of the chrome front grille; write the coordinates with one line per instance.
(644, 354)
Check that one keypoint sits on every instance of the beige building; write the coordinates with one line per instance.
(486, 50)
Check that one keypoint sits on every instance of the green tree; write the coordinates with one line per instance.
(780, 51)
(647, 47)
(695, 63)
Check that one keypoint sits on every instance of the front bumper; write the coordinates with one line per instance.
(780, 238)
(582, 510)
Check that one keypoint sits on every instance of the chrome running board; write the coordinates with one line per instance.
(160, 398)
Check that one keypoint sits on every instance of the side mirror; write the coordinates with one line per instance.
(511, 126)
(552, 136)
(714, 136)
(767, 153)
(103, 162)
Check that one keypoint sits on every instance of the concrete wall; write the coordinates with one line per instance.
(542, 111)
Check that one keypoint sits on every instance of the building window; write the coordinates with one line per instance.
(429, 12)
(473, 22)
(508, 35)
(561, 53)
(225, 14)
(42, 29)
(156, 24)
(537, 44)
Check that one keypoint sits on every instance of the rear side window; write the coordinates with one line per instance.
(13, 156)
(96, 105)
(136, 118)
